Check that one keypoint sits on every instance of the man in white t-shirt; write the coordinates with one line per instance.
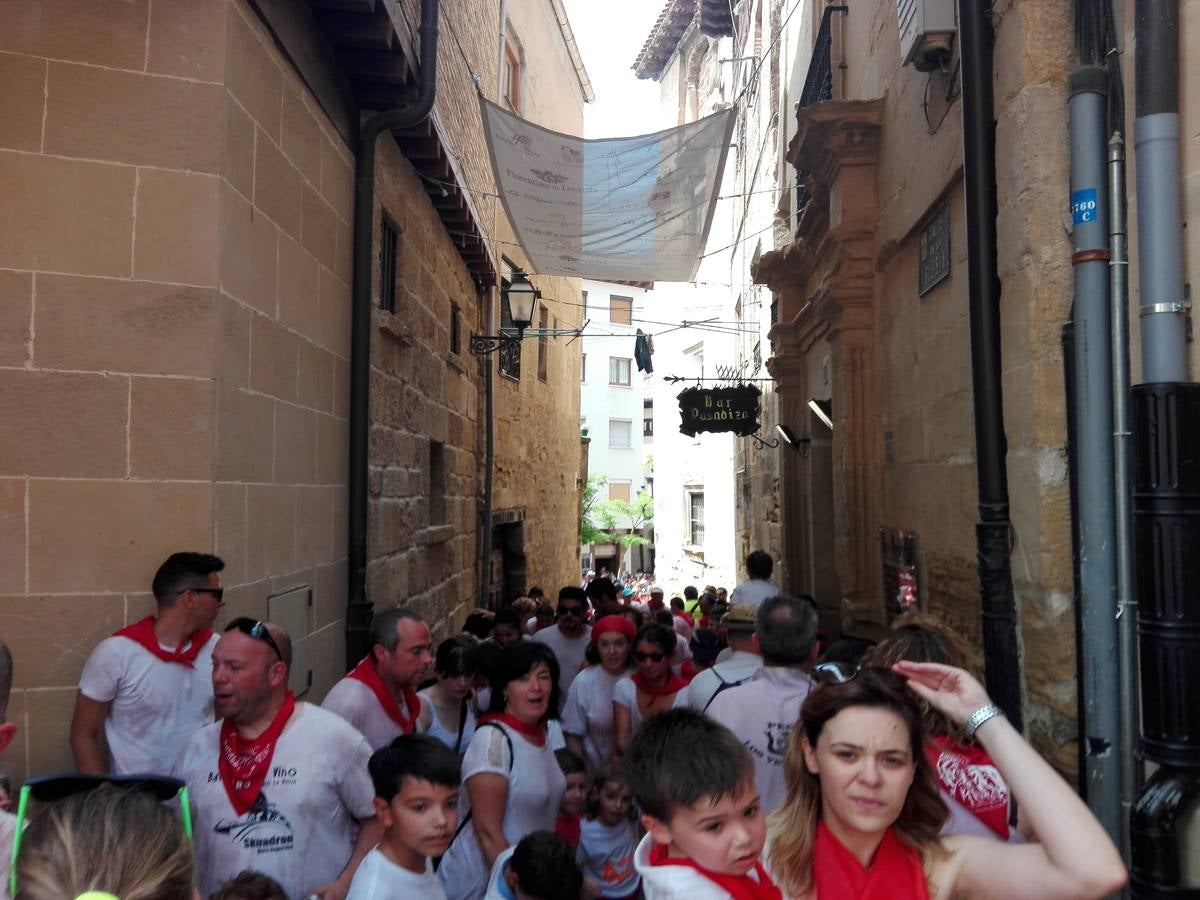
(8, 822)
(569, 638)
(276, 786)
(379, 696)
(735, 665)
(762, 711)
(149, 686)
(757, 587)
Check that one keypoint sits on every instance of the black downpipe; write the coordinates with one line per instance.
(358, 607)
(993, 532)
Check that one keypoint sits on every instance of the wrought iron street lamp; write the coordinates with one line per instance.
(521, 297)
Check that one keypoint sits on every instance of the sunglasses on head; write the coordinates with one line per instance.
(835, 672)
(51, 788)
(653, 657)
(255, 629)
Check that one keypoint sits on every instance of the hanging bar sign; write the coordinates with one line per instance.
(719, 409)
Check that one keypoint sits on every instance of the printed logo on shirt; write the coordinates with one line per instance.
(978, 787)
(263, 829)
(618, 869)
(777, 737)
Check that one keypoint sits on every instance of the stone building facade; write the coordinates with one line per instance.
(175, 308)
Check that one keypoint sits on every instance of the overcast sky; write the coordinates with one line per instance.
(610, 33)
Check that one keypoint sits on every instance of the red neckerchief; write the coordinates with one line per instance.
(739, 887)
(674, 685)
(896, 872)
(244, 764)
(568, 828)
(535, 733)
(366, 672)
(185, 654)
(968, 775)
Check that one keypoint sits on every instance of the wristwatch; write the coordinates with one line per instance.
(977, 718)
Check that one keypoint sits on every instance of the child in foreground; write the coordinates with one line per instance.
(575, 771)
(607, 838)
(540, 867)
(416, 779)
(705, 828)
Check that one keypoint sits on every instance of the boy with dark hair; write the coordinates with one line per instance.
(540, 867)
(507, 627)
(250, 885)
(416, 780)
(704, 823)
(574, 770)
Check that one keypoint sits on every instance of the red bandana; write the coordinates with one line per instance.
(535, 733)
(895, 874)
(674, 685)
(568, 828)
(739, 887)
(244, 763)
(185, 654)
(968, 775)
(366, 672)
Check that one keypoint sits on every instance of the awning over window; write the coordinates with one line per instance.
(629, 209)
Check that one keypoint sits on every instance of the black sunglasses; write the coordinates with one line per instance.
(570, 611)
(216, 592)
(835, 672)
(255, 629)
(642, 657)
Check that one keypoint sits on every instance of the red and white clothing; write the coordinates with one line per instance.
(588, 714)
(356, 702)
(683, 881)
(625, 694)
(302, 828)
(973, 790)
(605, 855)
(155, 705)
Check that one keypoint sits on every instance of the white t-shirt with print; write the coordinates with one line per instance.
(302, 830)
(625, 694)
(605, 855)
(588, 713)
(358, 705)
(535, 789)
(156, 705)
(568, 650)
(378, 878)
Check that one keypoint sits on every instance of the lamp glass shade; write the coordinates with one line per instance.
(823, 410)
(521, 297)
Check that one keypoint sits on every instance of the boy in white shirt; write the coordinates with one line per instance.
(705, 826)
(540, 867)
(416, 780)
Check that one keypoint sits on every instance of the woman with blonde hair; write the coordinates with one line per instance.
(862, 816)
(108, 841)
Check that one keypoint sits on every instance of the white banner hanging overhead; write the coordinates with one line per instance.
(616, 209)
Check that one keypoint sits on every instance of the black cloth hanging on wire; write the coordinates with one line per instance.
(643, 349)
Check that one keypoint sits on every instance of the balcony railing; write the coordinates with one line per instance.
(818, 87)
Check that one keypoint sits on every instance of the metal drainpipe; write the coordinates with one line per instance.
(1088, 88)
(489, 461)
(358, 606)
(993, 532)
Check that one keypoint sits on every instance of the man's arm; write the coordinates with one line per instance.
(370, 833)
(87, 729)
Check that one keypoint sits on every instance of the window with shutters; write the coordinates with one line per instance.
(620, 371)
(620, 310)
(620, 434)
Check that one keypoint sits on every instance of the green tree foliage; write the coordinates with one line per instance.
(603, 518)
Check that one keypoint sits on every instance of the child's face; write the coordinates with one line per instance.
(420, 820)
(576, 792)
(725, 837)
(612, 803)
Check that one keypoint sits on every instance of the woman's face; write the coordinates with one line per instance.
(456, 687)
(614, 652)
(864, 762)
(652, 661)
(528, 697)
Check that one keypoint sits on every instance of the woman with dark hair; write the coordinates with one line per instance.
(652, 689)
(512, 779)
(453, 720)
(587, 718)
(863, 813)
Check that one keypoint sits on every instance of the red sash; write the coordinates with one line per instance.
(535, 733)
(896, 872)
(244, 764)
(674, 685)
(739, 887)
(568, 827)
(142, 632)
(968, 774)
(366, 672)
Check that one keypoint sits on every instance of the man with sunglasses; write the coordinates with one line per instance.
(569, 637)
(277, 786)
(149, 686)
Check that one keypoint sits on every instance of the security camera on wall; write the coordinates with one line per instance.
(927, 30)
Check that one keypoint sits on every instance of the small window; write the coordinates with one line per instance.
(647, 418)
(455, 333)
(935, 251)
(620, 371)
(543, 344)
(619, 490)
(695, 502)
(582, 367)
(620, 434)
(757, 355)
(389, 241)
(620, 310)
(511, 75)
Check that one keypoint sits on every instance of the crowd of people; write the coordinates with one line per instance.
(611, 744)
